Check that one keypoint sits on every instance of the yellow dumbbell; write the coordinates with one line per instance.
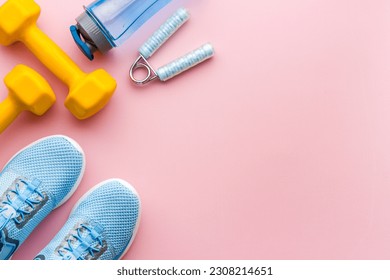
(28, 91)
(88, 93)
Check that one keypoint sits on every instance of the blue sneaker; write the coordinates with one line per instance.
(101, 226)
(35, 181)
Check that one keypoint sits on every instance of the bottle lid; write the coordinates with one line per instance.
(89, 37)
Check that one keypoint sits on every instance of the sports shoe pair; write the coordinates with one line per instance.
(41, 177)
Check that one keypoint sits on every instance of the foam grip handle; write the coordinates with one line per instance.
(165, 31)
(8, 113)
(185, 62)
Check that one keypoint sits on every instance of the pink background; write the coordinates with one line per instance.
(277, 148)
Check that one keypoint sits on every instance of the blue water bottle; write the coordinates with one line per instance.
(108, 23)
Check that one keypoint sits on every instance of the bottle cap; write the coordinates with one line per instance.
(89, 37)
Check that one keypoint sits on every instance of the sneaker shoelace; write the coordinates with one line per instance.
(18, 203)
(89, 243)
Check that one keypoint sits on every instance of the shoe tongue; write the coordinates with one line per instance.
(88, 237)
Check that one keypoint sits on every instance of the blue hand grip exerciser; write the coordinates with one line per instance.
(175, 67)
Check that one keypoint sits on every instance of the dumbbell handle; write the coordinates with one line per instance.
(8, 113)
(51, 55)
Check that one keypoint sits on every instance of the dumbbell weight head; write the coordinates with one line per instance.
(90, 94)
(29, 90)
(15, 18)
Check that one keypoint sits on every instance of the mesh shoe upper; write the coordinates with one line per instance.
(101, 226)
(35, 181)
